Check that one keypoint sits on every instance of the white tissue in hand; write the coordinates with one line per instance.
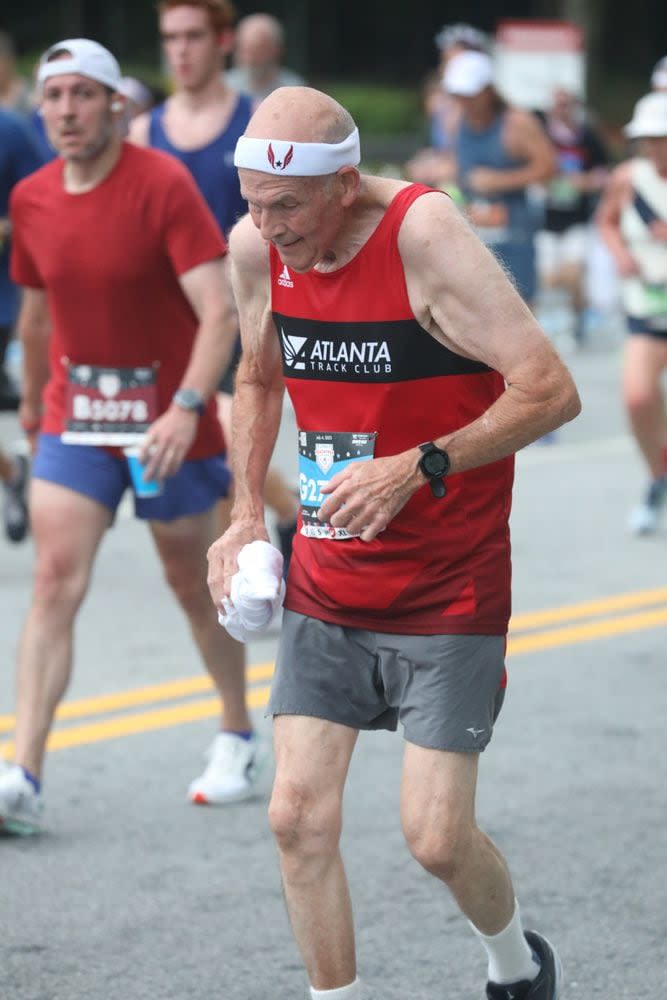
(257, 591)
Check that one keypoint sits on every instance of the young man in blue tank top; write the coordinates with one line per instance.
(199, 124)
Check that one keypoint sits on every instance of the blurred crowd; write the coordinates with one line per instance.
(577, 291)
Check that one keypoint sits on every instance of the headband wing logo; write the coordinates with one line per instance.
(280, 164)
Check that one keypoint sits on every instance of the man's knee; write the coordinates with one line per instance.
(440, 848)
(188, 583)
(642, 399)
(60, 581)
(306, 822)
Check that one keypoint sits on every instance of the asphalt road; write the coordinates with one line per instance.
(132, 893)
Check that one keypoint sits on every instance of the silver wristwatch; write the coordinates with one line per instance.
(190, 400)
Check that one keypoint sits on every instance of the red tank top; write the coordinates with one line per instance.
(355, 359)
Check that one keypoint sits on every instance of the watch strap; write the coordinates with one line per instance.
(437, 483)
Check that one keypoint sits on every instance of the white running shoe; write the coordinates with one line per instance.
(231, 775)
(20, 805)
(645, 519)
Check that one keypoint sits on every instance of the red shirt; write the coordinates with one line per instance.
(355, 359)
(109, 260)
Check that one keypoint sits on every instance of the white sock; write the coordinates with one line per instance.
(510, 956)
(351, 992)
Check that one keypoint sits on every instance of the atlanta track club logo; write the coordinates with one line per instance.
(279, 164)
(293, 349)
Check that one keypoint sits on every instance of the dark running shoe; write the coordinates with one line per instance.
(548, 982)
(286, 534)
(15, 507)
(9, 395)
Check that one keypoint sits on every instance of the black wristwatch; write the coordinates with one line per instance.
(190, 400)
(434, 464)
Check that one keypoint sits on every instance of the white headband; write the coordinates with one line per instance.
(297, 159)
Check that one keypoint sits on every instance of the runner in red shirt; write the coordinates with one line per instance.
(127, 322)
(416, 372)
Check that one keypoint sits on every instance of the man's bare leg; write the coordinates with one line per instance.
(438, 816)
(182, 546)
(67, 528)
(645, 361)
(312, 761)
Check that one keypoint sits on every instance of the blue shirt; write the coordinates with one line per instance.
(212, 166)
(46, 150)
(19, 156)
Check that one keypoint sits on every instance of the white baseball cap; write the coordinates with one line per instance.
(649, 118)
(468, 73)
(83, 56)
(659, 75)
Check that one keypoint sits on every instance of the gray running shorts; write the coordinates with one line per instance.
(447, 690)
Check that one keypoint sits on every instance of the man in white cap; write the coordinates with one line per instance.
(500, 152)
(199, 124)
(415, 371)
(139, 324)
(632, 217)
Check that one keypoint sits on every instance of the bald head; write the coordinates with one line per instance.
(260, 28)
(300, 114)
(259, 43)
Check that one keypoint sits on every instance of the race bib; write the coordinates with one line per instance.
(655, 301)
(562, 194)
(109, 406)
(321, 456)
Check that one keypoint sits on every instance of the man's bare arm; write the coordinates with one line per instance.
(463, 297)
(34, 328)
(208, 290)
(460, 294)
(170, 437)
(256, 408)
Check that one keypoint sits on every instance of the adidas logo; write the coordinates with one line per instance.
(285, 279)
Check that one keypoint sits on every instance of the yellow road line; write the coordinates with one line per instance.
(167, 691)
(191, 711)
(586, 633)
(144, 722)
(587, 609)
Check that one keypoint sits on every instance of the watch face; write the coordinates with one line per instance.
(435, 463)
(189, 399)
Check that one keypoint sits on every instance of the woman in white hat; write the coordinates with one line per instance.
(632, 217)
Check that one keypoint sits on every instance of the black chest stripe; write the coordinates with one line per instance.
(392, 351)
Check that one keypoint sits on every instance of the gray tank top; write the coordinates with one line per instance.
(511, 217)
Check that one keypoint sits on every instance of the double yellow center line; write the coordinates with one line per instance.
(531, 632)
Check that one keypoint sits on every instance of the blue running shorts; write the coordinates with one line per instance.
(103, 476)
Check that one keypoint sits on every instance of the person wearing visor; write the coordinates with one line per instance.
(632, 217)
(127, 321)
(500, 152)
(409, 404)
